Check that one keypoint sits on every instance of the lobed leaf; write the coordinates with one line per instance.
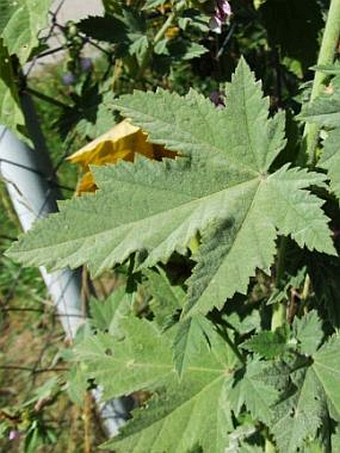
(166, 300)
(175, 418)
(138, 356)
(308, 331)
(220, 185)
(267, 344)
(325, 111)
(106, 315)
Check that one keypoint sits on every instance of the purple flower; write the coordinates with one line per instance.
(68, 78)
(13, 434)
(220, 17)
(217, 98)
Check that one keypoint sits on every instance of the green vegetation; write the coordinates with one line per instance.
(213, 259)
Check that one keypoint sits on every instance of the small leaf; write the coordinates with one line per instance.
(76, 385)
(139, 359)
(333, 69)
(149, 4)
(91, 120)
(251, 390)
(325, 109)
(267, 344)
(330, 159)
(308, 331)
(315, 394)
(167, 298)
(108, 28)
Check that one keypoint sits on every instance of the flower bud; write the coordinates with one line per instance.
(221, 14)
(68, 78)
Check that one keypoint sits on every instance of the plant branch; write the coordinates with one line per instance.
(159, 36)
(46, 98)
(326, 56)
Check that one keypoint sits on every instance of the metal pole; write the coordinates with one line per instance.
(29, 179)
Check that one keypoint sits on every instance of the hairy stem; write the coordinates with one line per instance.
(159, 36)
(279, 315)
(326, 56)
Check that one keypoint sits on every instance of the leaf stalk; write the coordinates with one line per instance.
(159, 36)
(280, 309)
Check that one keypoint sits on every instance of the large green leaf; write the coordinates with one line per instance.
(231, 255)
(308, 332)
(220, 185)
(27, 19)
(176, 417)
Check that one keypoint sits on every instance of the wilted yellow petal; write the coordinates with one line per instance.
(172, 32)
(123, 141)
(120, 142)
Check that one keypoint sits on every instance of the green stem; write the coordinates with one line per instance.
(326, 56)
(279, 315)
(224, 333)
(306, 288)
(161, 32)
(46, 98)
(159, 36)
